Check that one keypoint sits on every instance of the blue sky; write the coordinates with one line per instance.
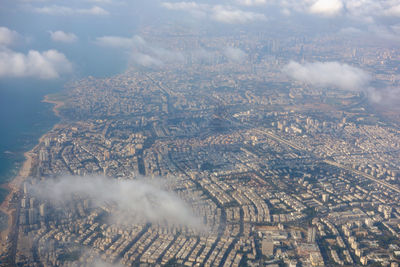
(51, 39)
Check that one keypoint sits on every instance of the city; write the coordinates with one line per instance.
(279, 173)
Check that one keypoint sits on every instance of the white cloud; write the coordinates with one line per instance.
(100, 1)
(327, 7)
(234, 54)
(66, 11)
(153, 56)
(328, 74)
(134, 200)
(393, 11)
(196, 10)
(43, 65)
(343, 76)
(252, 2)
(386, 33)
(234, 16)
(375, 32)
(220, 13)
(187, 6)
(60, 36)
(141, 52)
(360, 10)
(96, 10)
(201, 56)
(120, 42)
(145, 60)
(166, 55)
(7, 36)
(350, 31)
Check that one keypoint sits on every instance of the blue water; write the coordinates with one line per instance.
(23, 119)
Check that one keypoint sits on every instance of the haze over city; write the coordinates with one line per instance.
(199, 133)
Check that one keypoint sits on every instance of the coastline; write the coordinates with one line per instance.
(57, 104)
(14, 185)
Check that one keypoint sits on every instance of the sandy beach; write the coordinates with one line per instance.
(57, 104)
(14, 186)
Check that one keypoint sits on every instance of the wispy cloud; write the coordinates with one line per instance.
(252, 2)
(389, 96)
(355, 9)
(393, 11)
(375, 32)
(141, 52)
(231, 15)
(100, 1)
(64, 37)
(186, 6)
(219, 13)
(134, 200)
(65, 10)
(120, 42)
(145, 60)
(235, 54)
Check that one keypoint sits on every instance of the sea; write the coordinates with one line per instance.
(23, 119)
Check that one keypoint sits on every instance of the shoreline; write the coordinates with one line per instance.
(14, 185)
(57, 104)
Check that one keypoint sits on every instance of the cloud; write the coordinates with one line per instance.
(393, 11)
(389, 96)
(101, 263)
(92, 258)
(141, 52)
(386, 33)
(100, 1)
(328, 74)
(235, 54)
(375, 32)
(358, 10)
(120, 42)
(145, 60)
(60, 36)
(219, 13)
(350, 31)
(153, 56)
(252, 2)
(42, 65)
(133, 200)
(185, 6)
(7, 36)
(93, 11)
(343, 76)
(166, 54)
(231, 15)
(196, 10)
(327, 7)
(66, 11)
(49, 64)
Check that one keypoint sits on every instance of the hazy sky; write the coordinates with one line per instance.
(49, 39)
